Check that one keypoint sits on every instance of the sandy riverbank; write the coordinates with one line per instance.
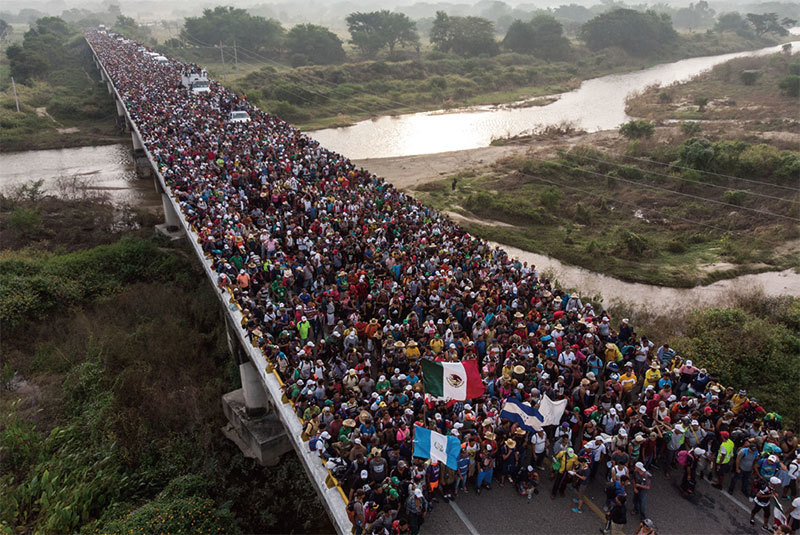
(405, 172)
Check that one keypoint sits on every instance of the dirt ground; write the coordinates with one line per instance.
(405, 172)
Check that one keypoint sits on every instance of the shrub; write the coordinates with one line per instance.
(24, 221)
(676, 246)
(550, 197)
(701, 103)
(691, 128)
(637, 129)
(735, 197)
(749, 77)
(697, 153)
(665, 97)
(634, 243)
(790, 85)
(630, 172)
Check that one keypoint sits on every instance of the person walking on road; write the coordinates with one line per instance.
(761, 501)
(641, 486)
(745, 460)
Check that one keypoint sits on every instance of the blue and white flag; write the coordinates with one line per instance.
(432, 445)
(531, 418)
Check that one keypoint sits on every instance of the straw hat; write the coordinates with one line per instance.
(364, 416)
(519, 369)
(511, 444)
(349, 423)
(520, 431)
(489, 435)
(399, 344)
(518, 315)
(373, 321)
(412, 343)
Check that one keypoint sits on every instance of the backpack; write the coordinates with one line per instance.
(683, 457)
(312, 444)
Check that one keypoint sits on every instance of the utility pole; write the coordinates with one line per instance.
(221, 55)
(235, 57)
(14, 87)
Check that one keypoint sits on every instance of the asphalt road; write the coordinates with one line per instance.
(503, 511)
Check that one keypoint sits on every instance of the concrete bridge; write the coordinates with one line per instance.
(259, 422)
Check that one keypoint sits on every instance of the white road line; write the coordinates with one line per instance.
(741, 506)
(464, 519)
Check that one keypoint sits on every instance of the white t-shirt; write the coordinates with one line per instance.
(796, 511)
(538, 443)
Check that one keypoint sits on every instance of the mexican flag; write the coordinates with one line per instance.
(452, 380)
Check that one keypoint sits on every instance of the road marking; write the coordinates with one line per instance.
(734, 500)
(599, 512)
(464, 519)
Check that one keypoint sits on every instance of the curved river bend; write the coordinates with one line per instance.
(598, 104)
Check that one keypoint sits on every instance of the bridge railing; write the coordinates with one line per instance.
(328, 489)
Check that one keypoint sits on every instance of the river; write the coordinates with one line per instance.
(598, 104)
(106, 169)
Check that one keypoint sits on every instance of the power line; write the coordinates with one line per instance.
(690, 180)
(710, 173)
(756, 210)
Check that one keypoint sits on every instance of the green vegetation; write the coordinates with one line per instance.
(62, 101)
(309, 43)
(542, 36)
(114, 363)
(637, 129)
(636, 32)
(463, 36)
(377, 30)
(757, 92)
(229, 25)
(632, 219)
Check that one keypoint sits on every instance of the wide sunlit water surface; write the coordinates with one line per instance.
(598, 104)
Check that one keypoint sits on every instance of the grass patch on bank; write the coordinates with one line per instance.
(601, 212)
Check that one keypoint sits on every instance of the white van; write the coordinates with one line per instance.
(239, 117)
(161, 59)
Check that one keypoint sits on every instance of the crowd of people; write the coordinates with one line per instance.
(346, 283)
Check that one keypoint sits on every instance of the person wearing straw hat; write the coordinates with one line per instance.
(508, 459)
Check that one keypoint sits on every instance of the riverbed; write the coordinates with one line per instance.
(598, 104)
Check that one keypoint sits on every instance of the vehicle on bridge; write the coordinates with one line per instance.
(161, 59)
(239, 117)
(196, 82)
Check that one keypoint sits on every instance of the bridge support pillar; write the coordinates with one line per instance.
(110, 87)
(252, 426)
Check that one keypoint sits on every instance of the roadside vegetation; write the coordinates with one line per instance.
(655, 211)
(114, 362)
(62, 101)
(758, 93)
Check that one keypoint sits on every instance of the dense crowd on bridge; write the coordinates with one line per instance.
(347, 283)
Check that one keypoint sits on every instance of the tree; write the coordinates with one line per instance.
(5, 29)
(465, 36)
(638, 33)
(637, 129)
(370, 32)
(318, 44)
(732, 22)
(698, 15)
(768, 23)
(227, 25)
(543, 36)
(43, 47)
